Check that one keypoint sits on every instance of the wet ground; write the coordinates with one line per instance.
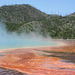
(58, 60)
(65, 56)
(4, 71)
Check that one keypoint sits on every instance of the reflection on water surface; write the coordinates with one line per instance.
(4, 71)
(65, 56)
(54, 60)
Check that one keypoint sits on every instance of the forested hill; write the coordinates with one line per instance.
(20, 13)
(26, 18)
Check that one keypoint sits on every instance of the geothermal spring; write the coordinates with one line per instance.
(33, 54)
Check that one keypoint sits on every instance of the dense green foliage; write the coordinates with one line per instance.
(25, 18)
(60, 27)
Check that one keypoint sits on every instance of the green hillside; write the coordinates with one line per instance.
(25, 18)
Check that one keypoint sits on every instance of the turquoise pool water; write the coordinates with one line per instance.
(19, 43)
(12, 40)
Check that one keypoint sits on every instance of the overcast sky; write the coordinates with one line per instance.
(61, 7)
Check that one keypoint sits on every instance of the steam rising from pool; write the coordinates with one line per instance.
(12, 40)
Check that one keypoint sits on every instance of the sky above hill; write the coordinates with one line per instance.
(60, 7)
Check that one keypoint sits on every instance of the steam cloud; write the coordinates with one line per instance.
(12, 40)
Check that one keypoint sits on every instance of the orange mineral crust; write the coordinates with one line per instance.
(41, 60)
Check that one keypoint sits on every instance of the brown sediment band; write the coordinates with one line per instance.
(32, 61)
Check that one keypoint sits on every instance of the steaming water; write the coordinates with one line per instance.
(12, 40)
(23, 43)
